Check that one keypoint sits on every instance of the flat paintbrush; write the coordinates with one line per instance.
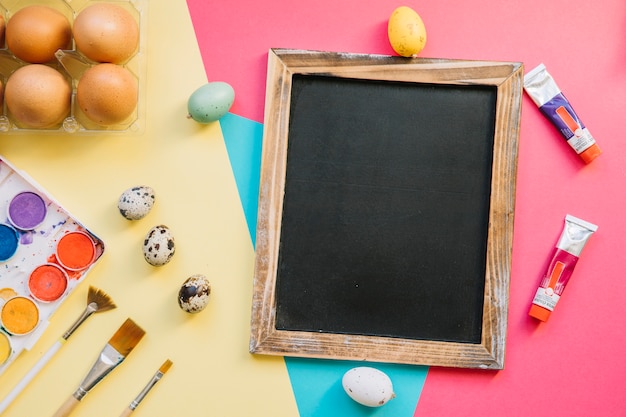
(119, 347)
(97, 302)
(156, 378)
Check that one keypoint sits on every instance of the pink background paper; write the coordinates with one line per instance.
(573, 365)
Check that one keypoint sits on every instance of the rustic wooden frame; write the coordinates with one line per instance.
(489, 354)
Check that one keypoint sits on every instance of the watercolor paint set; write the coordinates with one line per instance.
(44, 254)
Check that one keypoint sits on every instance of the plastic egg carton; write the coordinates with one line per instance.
(72, 63)
(36, 247)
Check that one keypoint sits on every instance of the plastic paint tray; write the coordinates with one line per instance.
(72, 64)
(34, 248)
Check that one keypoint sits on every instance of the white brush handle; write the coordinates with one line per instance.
(30, 375)
(68, 406)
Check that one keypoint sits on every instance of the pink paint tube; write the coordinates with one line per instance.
(575, 234)
(543, 90)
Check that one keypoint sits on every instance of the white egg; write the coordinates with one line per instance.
(136, 202)
(368, 386)
(159, 246)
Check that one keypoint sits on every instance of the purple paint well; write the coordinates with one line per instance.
(27, 210)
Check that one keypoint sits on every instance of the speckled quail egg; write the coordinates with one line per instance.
(193, 296)
(136, 202)
(159, 246)
(368, 386)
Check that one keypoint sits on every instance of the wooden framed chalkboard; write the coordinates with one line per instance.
(386, 209)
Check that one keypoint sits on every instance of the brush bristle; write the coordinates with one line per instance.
(101, 300)
(126, 337)
(166, 366)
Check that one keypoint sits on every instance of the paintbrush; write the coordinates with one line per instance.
(97, 302)
(156, 378)
(119, 347)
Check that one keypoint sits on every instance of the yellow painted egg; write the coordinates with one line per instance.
(34, 33)
(406, 31)
(106, 32)
(107, 94)
(38, 96)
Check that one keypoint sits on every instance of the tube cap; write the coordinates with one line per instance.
(590, 153)
(539, 313)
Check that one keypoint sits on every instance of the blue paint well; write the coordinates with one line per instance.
(9, 241)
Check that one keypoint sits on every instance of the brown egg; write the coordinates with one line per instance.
(106, 32)
(35, 33)
(107, 94)
(3, 27)
(37, 96)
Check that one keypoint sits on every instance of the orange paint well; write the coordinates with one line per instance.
(47, 283)
(75, 251)
(20, 315)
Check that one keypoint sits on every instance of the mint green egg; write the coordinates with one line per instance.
(210, 102)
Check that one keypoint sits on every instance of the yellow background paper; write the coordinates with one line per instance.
(196, 197)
